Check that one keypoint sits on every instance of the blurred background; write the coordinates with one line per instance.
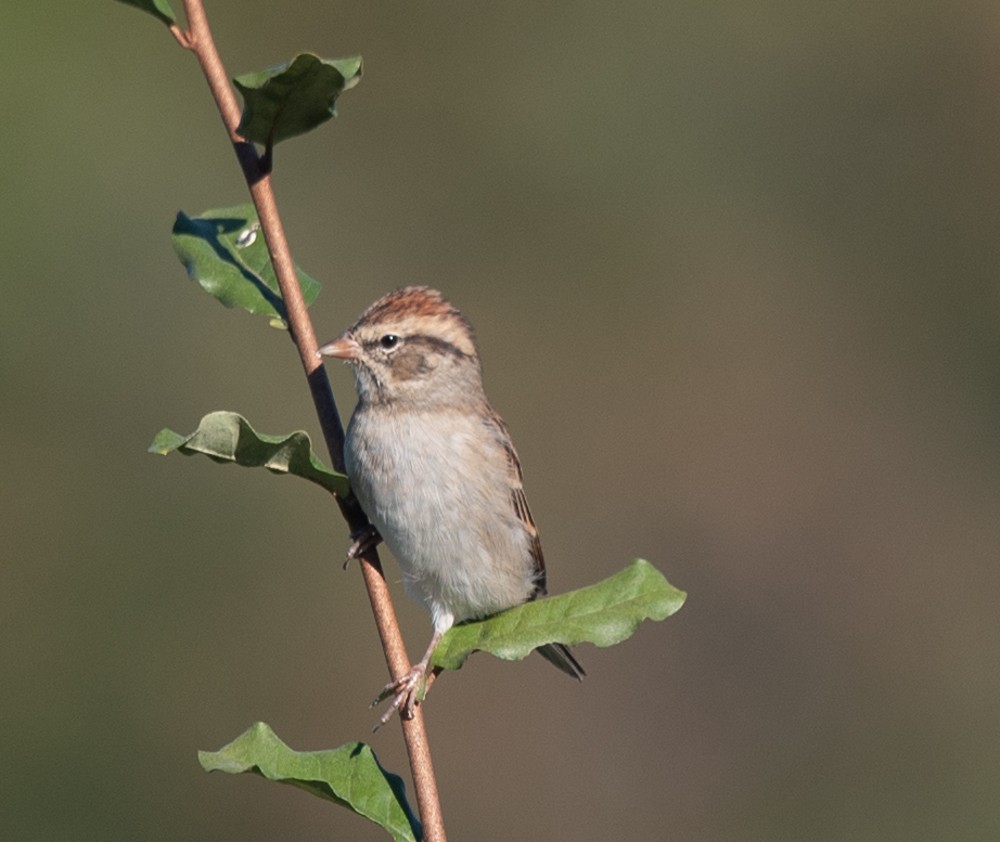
(733, 269)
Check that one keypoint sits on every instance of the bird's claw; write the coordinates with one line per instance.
(407, 691)
(362, 540)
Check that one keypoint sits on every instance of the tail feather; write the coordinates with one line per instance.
(559, 656)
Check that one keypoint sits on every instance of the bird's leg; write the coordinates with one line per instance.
(408, 688)
(362, 541)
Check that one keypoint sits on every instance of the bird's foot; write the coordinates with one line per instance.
(406, 692)
(361, 541)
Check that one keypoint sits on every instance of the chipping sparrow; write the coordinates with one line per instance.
(436, 472)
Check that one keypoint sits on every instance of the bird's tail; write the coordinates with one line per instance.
(559, 655)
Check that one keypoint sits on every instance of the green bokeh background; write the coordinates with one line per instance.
(733, 268)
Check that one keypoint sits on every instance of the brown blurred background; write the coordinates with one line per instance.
(734, 273)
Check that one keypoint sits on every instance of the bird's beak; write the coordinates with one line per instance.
(344, 348)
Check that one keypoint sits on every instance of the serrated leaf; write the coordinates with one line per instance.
(603, 614)
(228, 437)
(349, 775)
(157, 8)
(290, 99)
(224, 251)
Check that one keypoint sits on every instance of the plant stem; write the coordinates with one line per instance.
(198, 38)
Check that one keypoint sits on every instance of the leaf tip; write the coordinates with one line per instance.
(164, 442)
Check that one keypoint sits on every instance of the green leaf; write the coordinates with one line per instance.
(290, 99)
(228, 437)
(349, 775)
(157, 8)
(603, 614)
(224, 251)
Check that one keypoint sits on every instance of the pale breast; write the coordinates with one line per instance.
(436, 486)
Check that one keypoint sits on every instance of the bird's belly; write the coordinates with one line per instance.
(437, 494)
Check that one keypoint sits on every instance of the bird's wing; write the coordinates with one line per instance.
(519, 501)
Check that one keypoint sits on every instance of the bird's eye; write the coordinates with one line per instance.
(389, 341)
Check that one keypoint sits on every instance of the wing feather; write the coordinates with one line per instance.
(518, 499)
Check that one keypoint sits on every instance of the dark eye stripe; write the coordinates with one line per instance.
(441, 345)
(389, 341)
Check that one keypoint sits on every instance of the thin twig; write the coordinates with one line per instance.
(198, 38)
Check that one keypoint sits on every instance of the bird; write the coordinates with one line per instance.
(435, 470)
